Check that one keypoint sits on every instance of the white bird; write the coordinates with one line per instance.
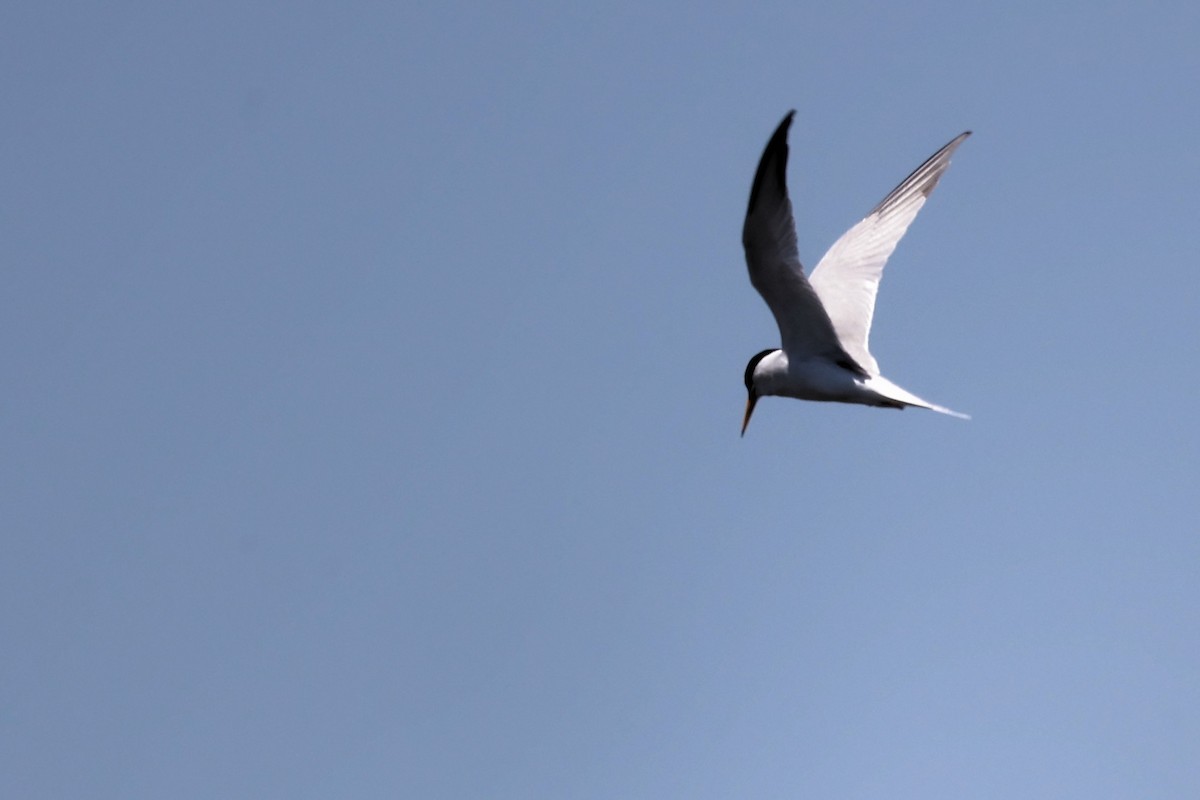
(824, 321)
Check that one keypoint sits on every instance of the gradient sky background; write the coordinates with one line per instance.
(373, 374)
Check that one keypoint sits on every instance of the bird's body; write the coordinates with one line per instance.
(825, 319)
(820, 379)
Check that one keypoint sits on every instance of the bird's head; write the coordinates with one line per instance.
(751, 391)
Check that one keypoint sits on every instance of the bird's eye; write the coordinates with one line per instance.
(748, 378)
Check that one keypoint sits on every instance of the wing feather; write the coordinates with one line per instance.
(847, 279)
(769, 238)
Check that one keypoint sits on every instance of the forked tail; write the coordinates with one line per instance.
(891, 391)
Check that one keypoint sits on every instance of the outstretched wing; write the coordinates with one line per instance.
(769, 237)
(847, 278)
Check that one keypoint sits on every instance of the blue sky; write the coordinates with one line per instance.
(373, 382)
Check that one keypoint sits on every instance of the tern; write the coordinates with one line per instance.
(824, 320)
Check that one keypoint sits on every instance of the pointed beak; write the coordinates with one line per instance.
(750, 401)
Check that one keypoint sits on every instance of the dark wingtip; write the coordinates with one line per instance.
(774, 154)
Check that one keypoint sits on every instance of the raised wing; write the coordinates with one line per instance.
(847, 278)
(769, 236)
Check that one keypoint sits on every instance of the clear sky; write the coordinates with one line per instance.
(373, 374)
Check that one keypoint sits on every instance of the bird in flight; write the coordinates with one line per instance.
(824, 320)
